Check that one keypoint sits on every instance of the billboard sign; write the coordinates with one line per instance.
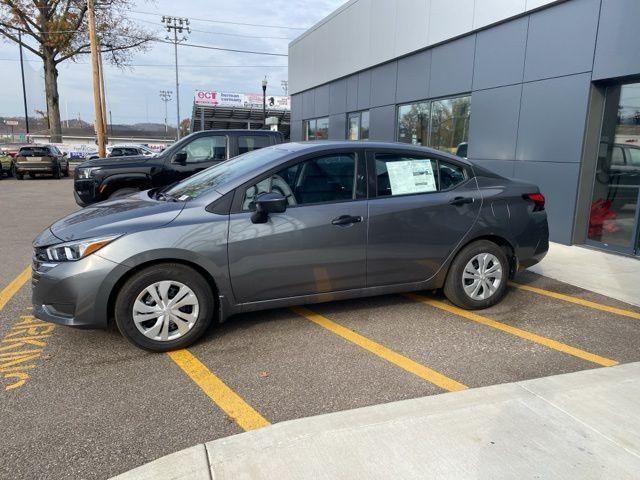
(210, 98)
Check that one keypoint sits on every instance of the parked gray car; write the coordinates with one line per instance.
(291, 224)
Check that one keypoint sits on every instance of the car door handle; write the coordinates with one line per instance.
(461, 201)
(345, 220)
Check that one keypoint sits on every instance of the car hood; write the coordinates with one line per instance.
(124, 215)
(113, 161)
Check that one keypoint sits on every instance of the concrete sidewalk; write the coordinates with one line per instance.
(580, 425)
(615, 276)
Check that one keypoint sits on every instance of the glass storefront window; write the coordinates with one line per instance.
(316, 129)
(613, 219)
(358, 126)
(442, 124)
(413, 123)
(449, 125)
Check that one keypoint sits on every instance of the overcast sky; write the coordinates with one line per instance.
(132, 94)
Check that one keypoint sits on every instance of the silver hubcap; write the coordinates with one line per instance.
(165, 310)
(482, 276)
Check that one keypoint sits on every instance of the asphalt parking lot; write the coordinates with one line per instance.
(86, 404)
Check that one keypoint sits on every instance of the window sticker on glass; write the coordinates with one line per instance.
(411, 176)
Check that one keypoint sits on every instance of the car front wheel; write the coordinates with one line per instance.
(478, 276)
(164, 307)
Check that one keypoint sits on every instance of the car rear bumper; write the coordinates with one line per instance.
(73, 293)
(35, 167)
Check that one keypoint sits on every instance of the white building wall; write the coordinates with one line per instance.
(364, 33)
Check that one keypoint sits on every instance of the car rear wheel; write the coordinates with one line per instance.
(66, 171)
(164, 307)
(123, 192)
(19, 176)
(32, 175)
(478, 276)
(57, 173)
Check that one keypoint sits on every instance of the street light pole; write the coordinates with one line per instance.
(264, 103)
(165, 96)
(178, 25)
(24, 88)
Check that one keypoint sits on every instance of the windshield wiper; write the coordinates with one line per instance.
(165, 197)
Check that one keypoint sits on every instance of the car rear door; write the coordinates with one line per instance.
(318, 245)
(421, 209)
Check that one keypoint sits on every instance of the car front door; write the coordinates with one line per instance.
(200, 153)
(422, 209)
(318, 245)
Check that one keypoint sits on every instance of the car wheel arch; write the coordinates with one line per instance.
(113, 294)
(116, 182)
(499, 240)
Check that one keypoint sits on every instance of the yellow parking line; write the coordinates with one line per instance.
(16, 284)
(577, 300)
(381, 351)
(223, 396)
(533, 337)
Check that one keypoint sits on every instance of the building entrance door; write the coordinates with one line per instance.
(614, 219)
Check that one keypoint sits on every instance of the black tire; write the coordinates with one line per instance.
(19, 176)
(31, 175)
(453, 287)
(123, 192)
(157, 273)
(57, 173)
(10, 171)
(66, 171)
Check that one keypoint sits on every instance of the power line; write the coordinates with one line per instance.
(192, 45)
(220, 33)
(155, 14)
(158, 65)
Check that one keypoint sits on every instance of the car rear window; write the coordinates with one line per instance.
(34, 152)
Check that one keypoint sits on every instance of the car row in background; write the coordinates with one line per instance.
(101, 179)
(125, 151)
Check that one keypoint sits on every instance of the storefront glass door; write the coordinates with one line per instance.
(615, 202)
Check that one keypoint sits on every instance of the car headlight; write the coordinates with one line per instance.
(77, 249)
(87, 172)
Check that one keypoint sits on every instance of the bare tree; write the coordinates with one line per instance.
(56, 30)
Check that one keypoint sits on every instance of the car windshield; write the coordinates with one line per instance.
(213, 177)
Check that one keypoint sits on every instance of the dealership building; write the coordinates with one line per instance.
(543, 90)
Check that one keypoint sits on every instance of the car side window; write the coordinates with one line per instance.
(634, 156)
(399, 174)
(205, 149)
(249, 143)
(330, 178)
(450, 175)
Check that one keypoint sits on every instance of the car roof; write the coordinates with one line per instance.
(320, 145)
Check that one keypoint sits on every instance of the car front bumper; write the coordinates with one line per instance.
(75, 294)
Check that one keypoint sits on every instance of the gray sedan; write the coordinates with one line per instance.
(291, 224)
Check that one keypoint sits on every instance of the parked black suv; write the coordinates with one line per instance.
(103, 178)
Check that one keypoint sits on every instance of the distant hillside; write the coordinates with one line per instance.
(82, 128)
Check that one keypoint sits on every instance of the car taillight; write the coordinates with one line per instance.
(536, 198)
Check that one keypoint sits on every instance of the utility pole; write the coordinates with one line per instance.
(264, 103)
(24, 88)
(103, 97)
(285, 86)
(165, 96)
(97, 102)
(177, 25)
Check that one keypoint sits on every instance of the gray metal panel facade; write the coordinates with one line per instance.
(529, 80)
(493, 130)
(618, 48)
(452, 67)
(500, 52)
(413, 77)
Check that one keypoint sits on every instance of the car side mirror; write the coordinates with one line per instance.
(180, 158)
(267, 203)
(64, 154)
